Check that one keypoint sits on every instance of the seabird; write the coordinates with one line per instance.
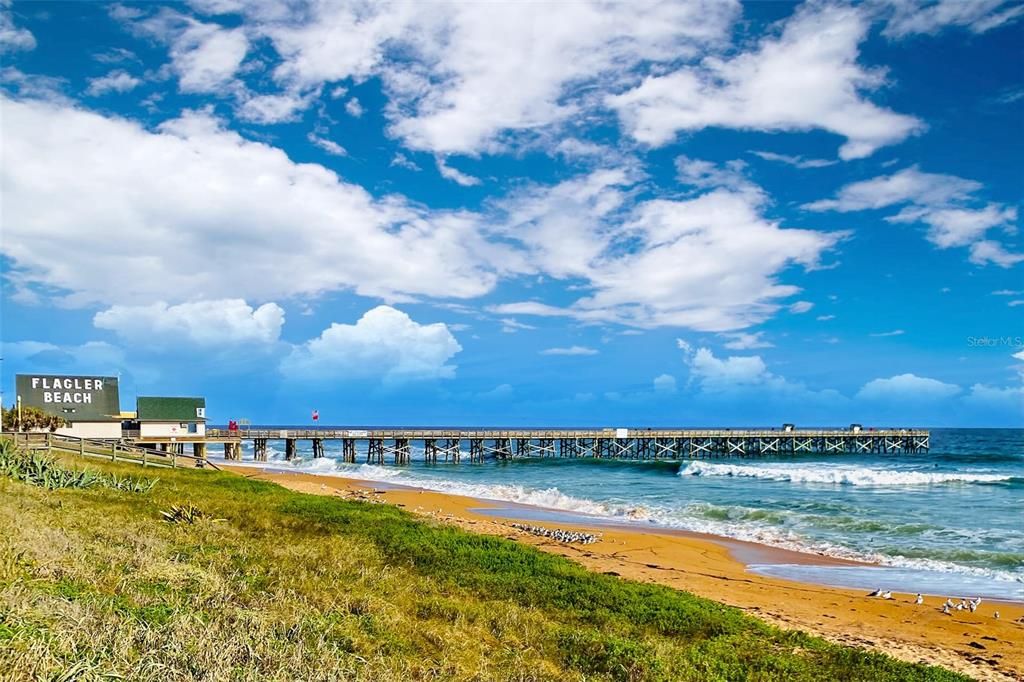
(996, 615)
(876, 593)
(960, 606)
(949, 603)
(945, 608)
(887, 595)
(919, 600)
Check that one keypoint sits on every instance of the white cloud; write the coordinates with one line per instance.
(580, 229)
(1008, 292)
(571, 350)
(795, 161)
(716, 374)
(91, 357)
(402, 161)
(1015, 303)
(911, 17)
(329, 146)
(825, 318)
(957, 226)
(1018, 356)
(806, 78)
(894, 332)
(461, 76)
(945, 203)
(907, 185)
(185, 191)
(907, 387)
(989, 251)
(745, 341)
(115, 81)
(278, 108)
(455, 175)
(707, 175)
(385, 343)
(665, 384)
(204, 323)
(204, 56)
(800, 307)
(12, 38)
(511, 326)
(354, 108)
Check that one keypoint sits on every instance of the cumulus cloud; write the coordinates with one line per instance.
(571, 350)
(665, 384)
(204, 323)
(12, 38)
(185, 192)
(462, 76)
(908, 387)
(204, 56)
(580, 229)
(945, 203)
(118, 80)
(806, 78)
(385, 343)
(800, 307)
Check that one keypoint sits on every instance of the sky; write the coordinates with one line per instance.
(703, 213)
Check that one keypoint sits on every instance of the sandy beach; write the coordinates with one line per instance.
(976, 644)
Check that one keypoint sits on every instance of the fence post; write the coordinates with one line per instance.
(113, 452)
(81, 447)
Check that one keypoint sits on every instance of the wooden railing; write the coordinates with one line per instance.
(115, 451)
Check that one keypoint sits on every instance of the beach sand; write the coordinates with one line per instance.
(975, 644)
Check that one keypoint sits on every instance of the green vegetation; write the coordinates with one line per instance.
(45, 471)
(95, 583)
(32, 419)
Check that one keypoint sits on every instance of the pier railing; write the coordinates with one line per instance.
(379, 445)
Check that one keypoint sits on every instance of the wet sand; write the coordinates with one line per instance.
(975, 644)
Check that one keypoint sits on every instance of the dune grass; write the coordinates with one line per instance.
(269, 584)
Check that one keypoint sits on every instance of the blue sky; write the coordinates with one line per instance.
(681, 213)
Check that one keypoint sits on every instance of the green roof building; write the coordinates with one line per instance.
(171, 417)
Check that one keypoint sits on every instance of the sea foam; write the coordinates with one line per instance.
(839, 475)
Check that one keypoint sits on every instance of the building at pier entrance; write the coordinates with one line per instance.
(171, 417)
(90, 405)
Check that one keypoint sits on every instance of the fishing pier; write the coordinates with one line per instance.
(396, 445)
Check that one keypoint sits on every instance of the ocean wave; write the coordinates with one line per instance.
(741, 523)
(839, 475)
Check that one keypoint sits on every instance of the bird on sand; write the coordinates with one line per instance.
(996, 615)
(886, 595)
(919, 600)
(876, 593)
(945, 608)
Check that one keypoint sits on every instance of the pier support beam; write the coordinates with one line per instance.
(289, 449)
(348, 450)
(259, 450)
(318, 448)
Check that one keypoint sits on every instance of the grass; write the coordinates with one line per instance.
(268, 584)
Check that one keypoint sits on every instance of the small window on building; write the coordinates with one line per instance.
(201, 412)
(192, 428)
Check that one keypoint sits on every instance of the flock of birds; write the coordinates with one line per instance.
(947, 607)
(567, 536)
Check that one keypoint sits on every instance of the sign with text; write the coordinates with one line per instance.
(76, 398)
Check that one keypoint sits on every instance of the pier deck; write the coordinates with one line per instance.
(380, 445)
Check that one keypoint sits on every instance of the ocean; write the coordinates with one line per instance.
(949, 521)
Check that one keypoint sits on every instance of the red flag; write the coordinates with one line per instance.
(316, 415)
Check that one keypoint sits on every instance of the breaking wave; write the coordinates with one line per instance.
(840, 475)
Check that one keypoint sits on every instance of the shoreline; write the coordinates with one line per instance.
(719, 568)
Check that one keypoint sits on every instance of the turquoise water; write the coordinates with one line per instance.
(951, 518)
